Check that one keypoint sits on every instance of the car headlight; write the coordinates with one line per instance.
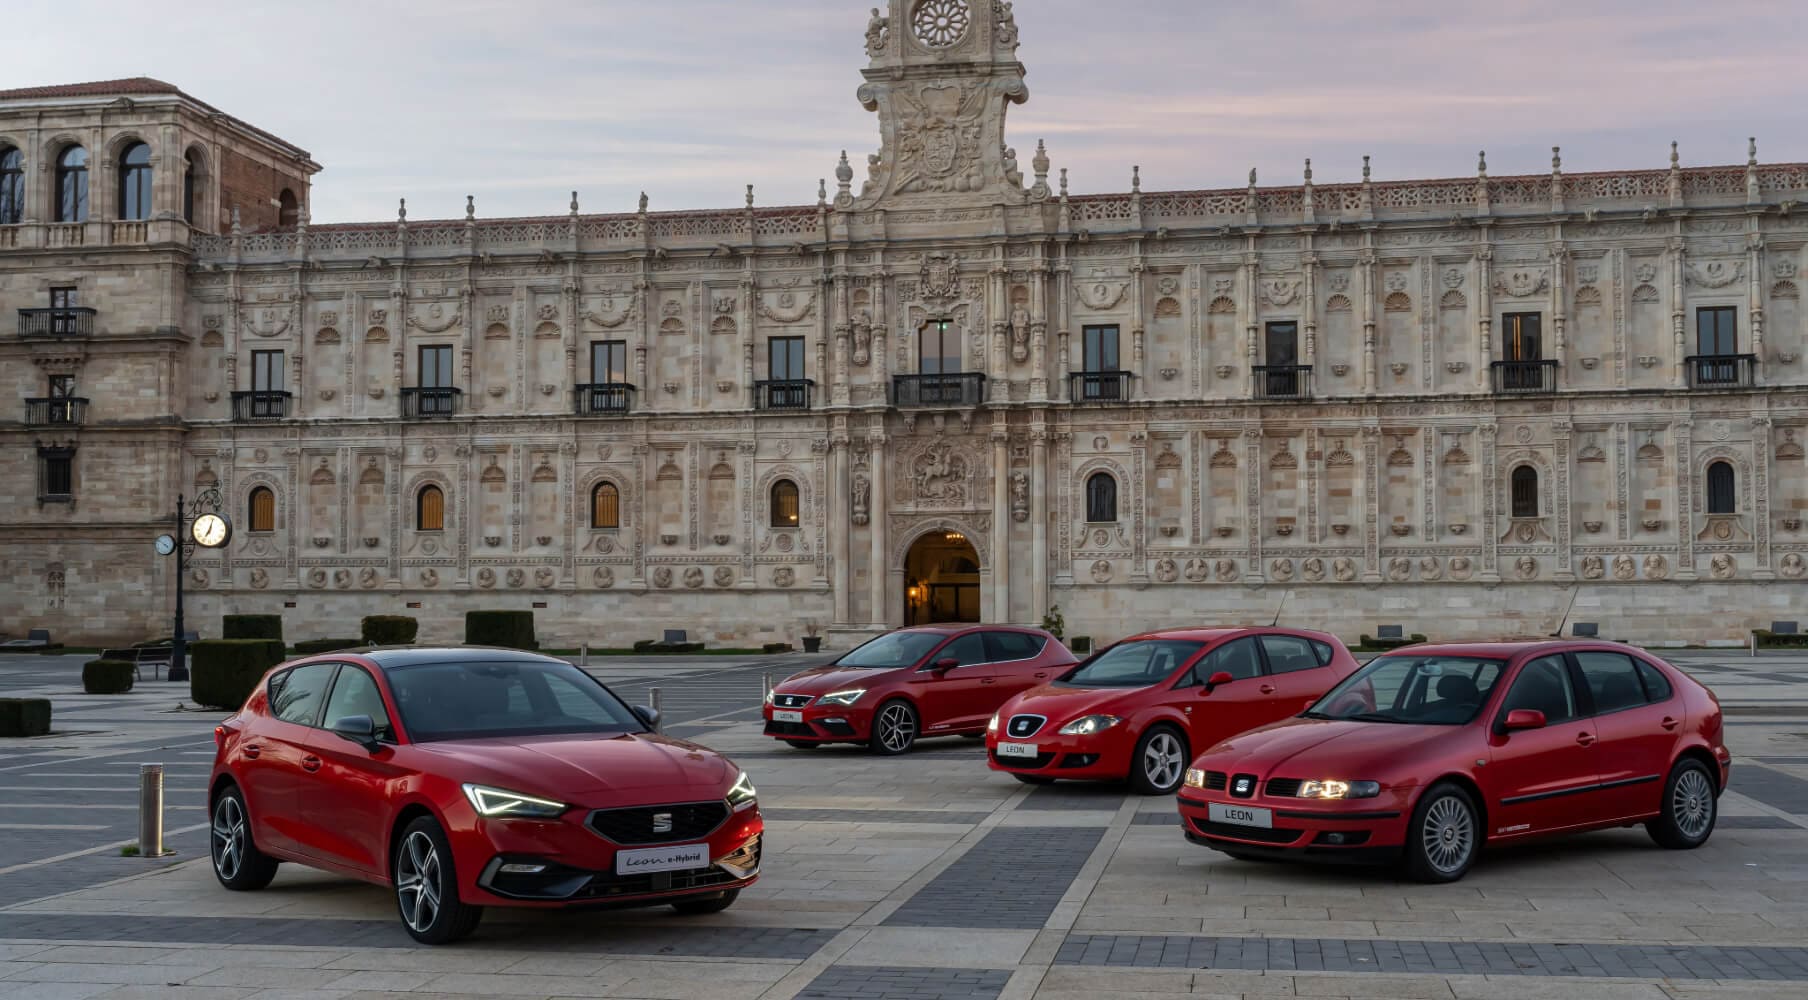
(992, 727)
(1090, 724)
(741, 794)
(1336, 788)
(1195, 777)
(768, 696)
(500, 802)
(847, 697)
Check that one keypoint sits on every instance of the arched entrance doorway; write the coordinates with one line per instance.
(941, 580)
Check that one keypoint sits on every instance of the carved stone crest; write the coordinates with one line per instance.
(1716, 273)
(940, 280)
(1522, 283)
(1281, 291)
(939, 475)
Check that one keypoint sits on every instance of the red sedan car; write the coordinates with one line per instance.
(936, 680)
(1136, 709)
(1431, 752)
(466, 778)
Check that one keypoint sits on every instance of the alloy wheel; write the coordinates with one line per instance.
(1692, 804)
(228, 837)
(418, 881)
(1448, 834)
(897, 727)
(1162, 761)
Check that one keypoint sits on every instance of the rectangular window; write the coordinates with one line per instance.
(1282, 343)
(608, 362)
(436, 366)
(1519, 337)
(266, 371)
(785, 359)
(61, 301)
(62, 386)
(1717, 331)
(938, 349)
(1099, 348)
(62, 298)
(56, 474)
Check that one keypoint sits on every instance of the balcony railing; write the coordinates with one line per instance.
(604, 398)
(782, 394)
(259, 404)
(1719, 371)
(1283, 381)
(1525, 376)
(430, 402)
(953, 389)
(75, 321)
(63, 411)
(1099, 387)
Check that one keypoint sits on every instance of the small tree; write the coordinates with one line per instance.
(1053, 623)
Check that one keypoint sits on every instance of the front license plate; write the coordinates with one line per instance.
(780, 715)
(1018, 750)
(1240, 815)
(662, 859)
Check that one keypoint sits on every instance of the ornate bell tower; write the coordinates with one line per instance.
(943, 74)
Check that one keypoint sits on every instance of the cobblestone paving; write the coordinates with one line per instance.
(867, 983)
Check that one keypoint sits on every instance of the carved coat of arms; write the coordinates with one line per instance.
(939, 475)
(941, 277)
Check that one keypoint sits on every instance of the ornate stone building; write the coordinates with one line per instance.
(948, 389)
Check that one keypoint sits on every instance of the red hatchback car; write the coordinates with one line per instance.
(1136, 709)
(1431, 752)
(474, 777)
(936, 680)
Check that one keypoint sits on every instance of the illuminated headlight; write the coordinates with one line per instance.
(1089, 725)
(768, 696)
(1195, 777)
(992, 727)
(1333, 788)
(847, 697)
(741, 795)
(500, 802)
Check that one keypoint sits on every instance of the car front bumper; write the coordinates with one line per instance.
(1102, 756)
(1357, 831)
(821, 723)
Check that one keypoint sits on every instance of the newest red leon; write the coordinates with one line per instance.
(937, 680)
(1430, 753)
(473, 777)
(1134, 709)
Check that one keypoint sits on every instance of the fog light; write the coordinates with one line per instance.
(834, 722)
(519, 869)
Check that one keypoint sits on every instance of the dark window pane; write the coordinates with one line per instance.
(1543, 685)
(785, 359)
(1721, 495)
(1283, 344)
(966, 650)
(1012, 645)
(1716, 330)
(355, 693)
(1287, 653)
(605, 506)
(784, 504)
(1099, 349)
(1101, 497)
(1657, 686)
(1525, 492)
(1237, 658)
(1612, 680)
(297, 699)
(608, 361)
(1519, 337)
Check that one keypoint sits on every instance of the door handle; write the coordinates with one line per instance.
(1669, 723)
(1585, 739)
(252, 750)
(1041, 673)
(310, 763)
(988, 680)
(1267, 689)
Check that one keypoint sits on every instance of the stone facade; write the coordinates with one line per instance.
(1367, 463)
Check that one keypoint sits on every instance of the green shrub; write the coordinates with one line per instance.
(1054, 623)
(389, 630)
(508, 629)
(108, 676)
(309, 647)
(24, 716)
(223, 672)
(1371, 642)
(776, 647)
(251, 627)
(1779, 640)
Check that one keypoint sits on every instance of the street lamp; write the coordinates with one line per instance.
(205, 525)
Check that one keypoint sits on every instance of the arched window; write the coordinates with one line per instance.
(430, 509)
(287, 209)
(1721, 494)
(784, 504)
(1525, 492)
(72, 185)
(12, 187)
(262, 509)
(1101, 497)
(135, 182)
(191, 176)
(605, 506)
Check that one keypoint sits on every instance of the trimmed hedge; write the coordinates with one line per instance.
(661, 646)
(223, 672)
(108, 676)
(251, 627)
(508, 629)
(24, 716)
(1370, 642)
(389, 630)
(309, 647)
(1779, 640)
(776, 647)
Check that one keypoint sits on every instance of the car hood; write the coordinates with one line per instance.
(829, 677)
(592, 770)
(1305, 747)
(1062, 704)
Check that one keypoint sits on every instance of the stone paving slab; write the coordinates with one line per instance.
(852, 982)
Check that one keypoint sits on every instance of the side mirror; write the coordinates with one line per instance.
(944, 664)
(360, 729)
(648, 715)
(1307, 707)
(1523, 718)
(1221, 677)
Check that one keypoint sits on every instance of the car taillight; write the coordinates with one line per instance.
(219, 736)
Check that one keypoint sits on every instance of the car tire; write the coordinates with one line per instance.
(702, 907)
(1690, 807)
(1033, 779)
(802, 744)
(1444, 836)
(1159, 763)
(895, 728)
(237, 862)
(426, 886)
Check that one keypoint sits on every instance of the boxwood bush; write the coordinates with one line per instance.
(251, 627)
(108, 676)
(389, 630)
(223, 672)
(508, 629)
(309, 647)
(776, 647)
(24, 716)
(1779, 640)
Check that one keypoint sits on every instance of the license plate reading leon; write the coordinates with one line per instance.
(662, 859)
(780, 715)
(1240, 815)
(1017, 750)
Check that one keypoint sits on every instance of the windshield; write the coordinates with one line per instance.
(897, 649)
(474, 699)
(1424, 690)
(1134, 664)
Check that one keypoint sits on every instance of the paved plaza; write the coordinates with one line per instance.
(921, 876)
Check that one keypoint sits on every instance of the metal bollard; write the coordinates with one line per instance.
(766, 692)
(653, 698)
(584, 655)
(150, 810)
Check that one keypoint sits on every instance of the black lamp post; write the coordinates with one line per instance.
(207, 503)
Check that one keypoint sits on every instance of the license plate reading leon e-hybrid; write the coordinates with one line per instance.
(662, 859)
(1240, 815)
(780, 715)
(1017, 750)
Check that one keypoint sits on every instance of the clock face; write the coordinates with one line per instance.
(165, 544)
(211, 530)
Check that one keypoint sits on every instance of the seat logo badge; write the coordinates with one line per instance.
(1242, 785)
(662, 822)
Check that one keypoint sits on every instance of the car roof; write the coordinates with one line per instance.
(1506, 649)
(1208, 633)
(403, 656)
(956, 628)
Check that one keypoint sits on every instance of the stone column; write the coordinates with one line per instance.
(1039, 519)
(1479, 272)
(1001, 522)
(1679, 377)
(1560, 459)
(1754, 263)
(840, 517)
(1367, 274)
(1760, 494)
(1685, 498)
(878, 569)
(1039, 330)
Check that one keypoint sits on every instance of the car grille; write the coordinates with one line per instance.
(687, 821)
(1283, 788)
(1023, 726)
(607, 886)
(789, 729)
(1250, 833)
(1216, 780)
(791, 700)
(1041, 760)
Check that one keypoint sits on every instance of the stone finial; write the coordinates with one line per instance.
(1675, 157)
(1039, 162)
(1556, 159)
(470, 208)
(844, 173)
(574, 203)
(1481, 164)
(401, 213)
(1063, 182)
(750, 196)
(1252, 177)
(822, 191)
(1136, 179)
(1753, 195)
(1307, 208)
(1308, 171)
(1751, 151)
(643, 203)
(1365, 168)
(235, 220)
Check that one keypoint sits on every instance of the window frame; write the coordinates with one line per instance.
(50, 461)
(596, 494)
(1726, 491)
(274, 690)
(985, 651)
(12, 186)
(386, 732)
(789, 350)
(944, 333)
(1094, 504)
(610, 353)
(440, 352)
(70, 196)
(1513, 339)
(1725, 322)
(1535, 497)
(136, 183)
(251, 509)
(995, 648)
(420, 507)
(1270, 330)
(1570, 677)
(1268, 662)
(1190, 676)
(775, 508)
(1579, 680)
(267, 371)
(1093, 341)
(191, 166)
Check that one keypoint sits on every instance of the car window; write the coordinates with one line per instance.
(1543, 684)
(965, 651)
(1657, 686)
(1324, 652)
(1012, 645)
(1288, 653)
(1237, 658)
(355, 693)
(297, 698)
(1424, 690)
(1135, 664)
(893, 650)
(1613, 681)
(477, 699)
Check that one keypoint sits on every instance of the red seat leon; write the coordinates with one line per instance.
(937, 680)
(1138, 709)
(1431, 752)
(466, 778)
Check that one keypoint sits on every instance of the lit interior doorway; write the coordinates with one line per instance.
(941, 580)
